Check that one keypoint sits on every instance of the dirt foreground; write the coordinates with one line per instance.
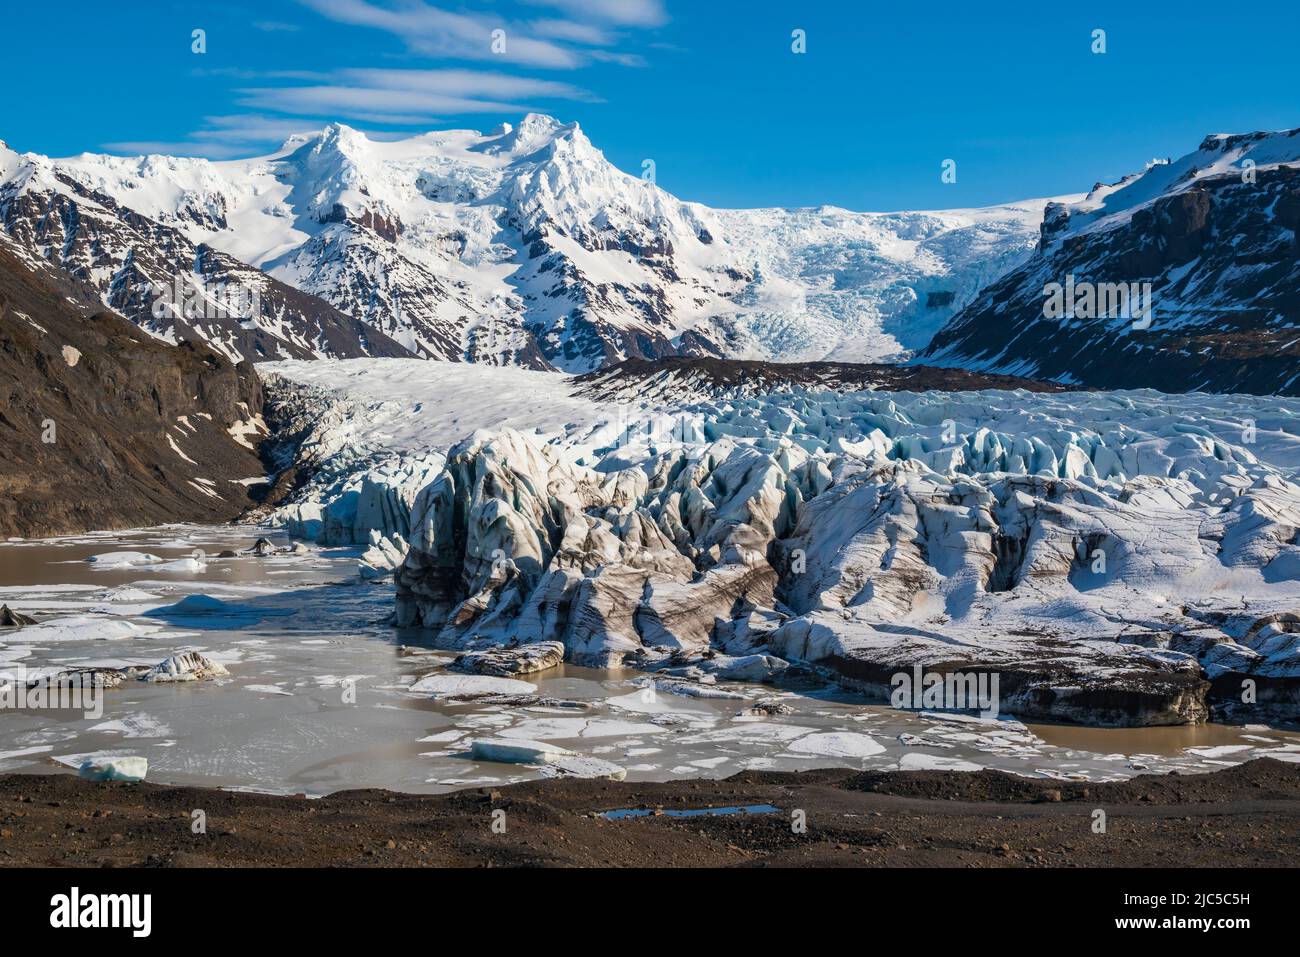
(1246, 816)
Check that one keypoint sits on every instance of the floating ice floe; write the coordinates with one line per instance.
(919, 761)
(444, 685)
(554, 760)
(517, 751)
(622, 814)
(581, 766)
(837, 744)
(134, 726)
(13, 619)
(545, 729)
(126, 593)
(188, 666)
(124, 559)
(84, 628)
(115, 769)
(690, 689)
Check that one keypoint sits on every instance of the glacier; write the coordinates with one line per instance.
(1119, 558)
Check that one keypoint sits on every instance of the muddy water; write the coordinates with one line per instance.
(1158, 741)
(318, 698)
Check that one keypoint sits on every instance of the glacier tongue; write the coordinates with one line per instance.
(1116, 558)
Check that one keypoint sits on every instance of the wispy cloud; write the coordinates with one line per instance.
(214, 151)
(545, 35)
(275, 26)
(350, 101)
(251, 128)
(587, 33)
(436, 32)
(632, 13)
(223, 136)
(375, 93)
(465, 83)
(386, 97)
(550, 43)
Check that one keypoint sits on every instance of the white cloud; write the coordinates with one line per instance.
(350, 100)
(566, 34)
(464, 83)
(586, 33)
(251, 128)
(551, 43)
(376, 93)
(436, 32)
(175, 148)
(631, 13)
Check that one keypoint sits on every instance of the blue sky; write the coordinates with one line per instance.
(711, 91)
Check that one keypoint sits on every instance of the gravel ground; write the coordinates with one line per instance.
(1245, 816)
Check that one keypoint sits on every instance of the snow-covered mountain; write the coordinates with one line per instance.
(154, 274)
(1214, 233)
(526, 246)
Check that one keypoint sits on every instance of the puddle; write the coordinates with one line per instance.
(623, 813)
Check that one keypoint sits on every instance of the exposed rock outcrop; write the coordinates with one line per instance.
(14, 619)
(517, 660)
(680, 379)
(1213, 233)
(133, 431)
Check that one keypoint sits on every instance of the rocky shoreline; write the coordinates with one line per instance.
(1244, 816)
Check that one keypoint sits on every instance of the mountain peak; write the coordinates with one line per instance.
(539, 124)
(342, 137)
(534, 132)
(334, 137)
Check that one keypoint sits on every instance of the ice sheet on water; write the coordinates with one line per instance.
(837, 744)
(448, 685)
(208, 613)
(85, 628)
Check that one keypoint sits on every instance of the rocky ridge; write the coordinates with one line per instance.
(102, 426)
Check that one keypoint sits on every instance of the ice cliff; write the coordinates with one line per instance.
(1117, 558)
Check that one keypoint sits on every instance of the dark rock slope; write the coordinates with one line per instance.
(682, 378)
(1214, 233)
(103, 426)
